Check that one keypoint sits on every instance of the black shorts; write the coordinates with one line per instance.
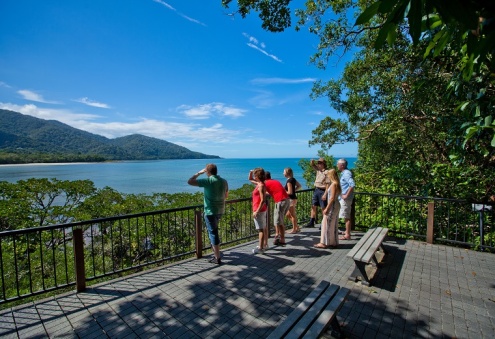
(317, 198)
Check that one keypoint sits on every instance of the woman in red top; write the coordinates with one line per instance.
(257, 177)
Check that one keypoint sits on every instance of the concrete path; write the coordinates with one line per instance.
(422, 291)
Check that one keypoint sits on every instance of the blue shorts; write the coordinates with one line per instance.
(211, 222)
(317, 198)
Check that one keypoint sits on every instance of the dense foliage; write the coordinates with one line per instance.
(424, 124)
(121, 232)
(25, 139)
(42, 202)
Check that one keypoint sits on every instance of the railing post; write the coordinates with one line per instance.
(78, 243)
(430, 223)
(198, 222)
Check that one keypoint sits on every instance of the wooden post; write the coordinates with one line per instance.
(429, 225)
(78, 243)
(198, 222)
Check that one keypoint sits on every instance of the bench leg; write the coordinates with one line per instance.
(336, 327)
(377, 258)
(359, 273)
(382, 249)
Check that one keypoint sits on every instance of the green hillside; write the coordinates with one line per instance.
(26, 139)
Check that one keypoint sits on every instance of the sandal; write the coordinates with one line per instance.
(344, 238)
(320, 245)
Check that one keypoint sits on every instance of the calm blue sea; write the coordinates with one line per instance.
(157, 176)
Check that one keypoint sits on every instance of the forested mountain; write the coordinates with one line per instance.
(25, 139)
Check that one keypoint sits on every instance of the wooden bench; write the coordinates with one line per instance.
(368, 250)
(315, 314)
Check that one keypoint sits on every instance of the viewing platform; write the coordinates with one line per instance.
(421, 291)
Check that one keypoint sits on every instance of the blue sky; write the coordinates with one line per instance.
(185, 71)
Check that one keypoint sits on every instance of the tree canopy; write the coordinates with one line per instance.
(418, 94)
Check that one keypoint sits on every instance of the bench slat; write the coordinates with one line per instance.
(362, 242)
(379, 236)
(299, 311)
(313, 313)
(328, 315)
(365, 250)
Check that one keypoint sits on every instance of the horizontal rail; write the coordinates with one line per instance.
(40, 260)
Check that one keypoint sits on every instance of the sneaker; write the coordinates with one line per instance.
(214, 260)
(310, 224)
(258, 250)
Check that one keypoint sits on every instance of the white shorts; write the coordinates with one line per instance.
(260, 221)
(345, 208)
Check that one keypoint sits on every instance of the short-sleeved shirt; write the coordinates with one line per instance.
(346, 182)
(291, 182)
(215, 189)
(322, 180)
(257, 200)
(276, 190)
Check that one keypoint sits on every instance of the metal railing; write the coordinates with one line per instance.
(43, 259)
(447, 221)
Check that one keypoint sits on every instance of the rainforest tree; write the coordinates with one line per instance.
(419, 108)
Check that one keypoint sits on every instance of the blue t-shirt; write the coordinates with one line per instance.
(215, 189)
(346, 182)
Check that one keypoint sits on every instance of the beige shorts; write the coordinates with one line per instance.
(293, 202)
(281, 209)
(345, 208)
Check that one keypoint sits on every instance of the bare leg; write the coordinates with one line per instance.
(313, 211)
(266, 233)
(347, 233)
(282, 233)
(293, 218)
(216, 251)
(261, 242)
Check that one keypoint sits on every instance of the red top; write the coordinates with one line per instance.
(257, 200)
(276, 190)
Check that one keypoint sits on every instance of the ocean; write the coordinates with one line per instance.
(156, 176)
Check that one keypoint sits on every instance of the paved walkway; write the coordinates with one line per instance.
(422, 291)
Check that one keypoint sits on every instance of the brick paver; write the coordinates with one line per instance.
(421, 291)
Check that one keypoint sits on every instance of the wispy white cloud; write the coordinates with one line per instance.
(180, 133)
(264, 99)
(92, 103)
(259, 46)
(179, 13)
(165, 4)
(66, 116)
(33, 96)
(3, 84)
(205, 111)
(271, 81)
